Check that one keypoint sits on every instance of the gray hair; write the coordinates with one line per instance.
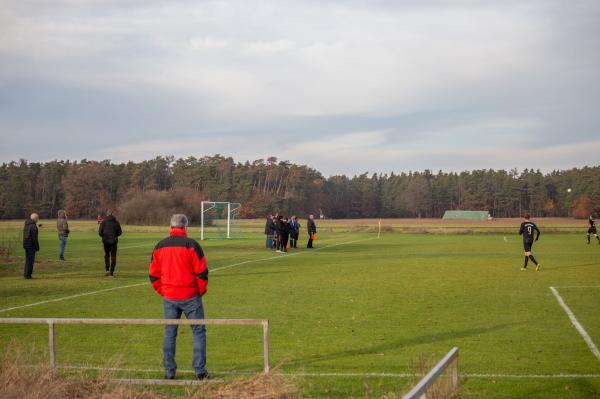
(179, 220)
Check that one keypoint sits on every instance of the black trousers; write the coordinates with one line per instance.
(29, 261)
(284, 242)
(294, 240)
(310, 241)
(110, 256)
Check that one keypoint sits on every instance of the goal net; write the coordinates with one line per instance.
(220, 220)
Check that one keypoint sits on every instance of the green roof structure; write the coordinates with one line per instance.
(467, 215)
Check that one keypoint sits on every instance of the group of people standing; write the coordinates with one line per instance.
(177, 271)
(282, 232)
(109, 230)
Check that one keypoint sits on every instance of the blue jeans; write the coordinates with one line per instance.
(62, 245)
(270, 242)
(193, 310)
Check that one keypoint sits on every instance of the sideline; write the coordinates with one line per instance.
(343, 374)
(577, 286)
(576, 324)
(280, 256)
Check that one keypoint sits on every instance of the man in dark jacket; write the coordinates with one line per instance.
(284, 235)
(277, 225)
(62, 226)
(30, 243)
(179, 274)
(269, 227)
(110, 230)
(312, 230)
(294, 231)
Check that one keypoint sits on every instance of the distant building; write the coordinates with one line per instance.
(467, 215)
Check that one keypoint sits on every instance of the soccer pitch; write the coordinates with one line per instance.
(350, 318)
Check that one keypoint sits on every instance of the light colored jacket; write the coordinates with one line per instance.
(62, 225)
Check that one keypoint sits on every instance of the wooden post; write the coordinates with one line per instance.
(265, 324)
(51, 343)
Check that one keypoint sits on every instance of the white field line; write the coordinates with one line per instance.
(136, 246)
(532, 376)
(282, 256)
(287, 255)
(577, 286)
(576, 324)
(70, 297)
(345, 374)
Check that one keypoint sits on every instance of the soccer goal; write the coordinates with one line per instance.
(219, 220)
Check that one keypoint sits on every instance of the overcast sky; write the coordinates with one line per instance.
(343, 86)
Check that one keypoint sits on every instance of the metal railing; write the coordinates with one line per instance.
(419, 391)
(52, 322)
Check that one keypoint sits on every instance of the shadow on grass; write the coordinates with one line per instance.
(579, 265)
(417, 340)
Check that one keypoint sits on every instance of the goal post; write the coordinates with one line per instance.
(219, 218)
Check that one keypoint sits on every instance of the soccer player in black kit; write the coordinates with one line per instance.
(527, 229)
(592, 230)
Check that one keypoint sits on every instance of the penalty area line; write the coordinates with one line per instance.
(576, 324)
(136, 246)
(287, 255)
(70, 297)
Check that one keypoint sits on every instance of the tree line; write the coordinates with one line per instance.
(144, 191)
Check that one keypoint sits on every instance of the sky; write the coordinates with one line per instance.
(345, 87)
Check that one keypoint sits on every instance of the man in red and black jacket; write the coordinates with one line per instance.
(178, 272)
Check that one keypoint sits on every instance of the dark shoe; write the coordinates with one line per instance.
(203, 376)
(169, 376)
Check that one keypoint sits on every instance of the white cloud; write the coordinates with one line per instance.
(439, 85)
(269, 47)
(208, 43)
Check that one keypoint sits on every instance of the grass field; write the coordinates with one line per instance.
(345, 317)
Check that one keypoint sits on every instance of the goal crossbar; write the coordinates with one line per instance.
(51, 322)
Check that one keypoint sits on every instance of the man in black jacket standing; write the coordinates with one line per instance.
(269, 227)
(30, 243)
(110, 230)
(312, 230)
(284, 235)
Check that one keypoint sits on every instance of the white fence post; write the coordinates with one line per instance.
(419, 391)
(51, 343)
(265, 325)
